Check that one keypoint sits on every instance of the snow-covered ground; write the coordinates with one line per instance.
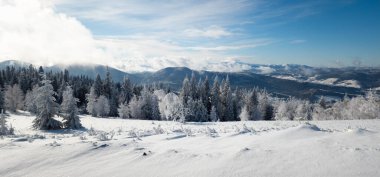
(159, 148)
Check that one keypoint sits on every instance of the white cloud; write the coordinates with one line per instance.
(211, 32)
(266, 69)
(32, 31)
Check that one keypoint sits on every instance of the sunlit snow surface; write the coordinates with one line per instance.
(160, 148)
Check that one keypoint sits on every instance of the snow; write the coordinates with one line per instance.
(165, 148)
(349, 83)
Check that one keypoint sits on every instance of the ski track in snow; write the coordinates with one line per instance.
(162, 148)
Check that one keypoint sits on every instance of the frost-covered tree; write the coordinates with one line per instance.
(149, 106)
(215, 96)
(69, 110)
(171, 107)
(124, 111)
(102, 106)
(196, 111)
(185, 93)
(30, 101)
(91, 102)
(135, 106)
(237, 103)
(193, 87)
(282, 111)
(227, 112)
(14, 98)
(252, 105)
(98, 86)
(244, 115)
(46, 107)
(213, 115)
(4, 130)
(303, 111)
(2, 104)
(204, 94)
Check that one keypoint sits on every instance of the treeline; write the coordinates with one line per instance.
(46, 94)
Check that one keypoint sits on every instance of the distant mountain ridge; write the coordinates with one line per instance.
(283, 80)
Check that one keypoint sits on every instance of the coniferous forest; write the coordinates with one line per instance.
(46, 94)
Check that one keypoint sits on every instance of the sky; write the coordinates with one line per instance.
(219, 35)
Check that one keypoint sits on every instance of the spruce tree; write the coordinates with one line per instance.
(46, 108)
(69, 110)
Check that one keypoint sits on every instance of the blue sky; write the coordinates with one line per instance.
(148, 35)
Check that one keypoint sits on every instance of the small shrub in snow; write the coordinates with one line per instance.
(92, 132)
(83, 138)
(104, 136)
(211, 132)
(158, 130)
(245, 129)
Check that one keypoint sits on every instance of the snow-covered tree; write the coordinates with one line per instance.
(226, 101)
(30, 101)
(213, 115)
(124, 111)
(4, 130)
(204, 94)
(252, 105)
(98, 86)
(185, 93)
(2, 104)
(14, 98)
(135, 106)
(149, 107)
(46, 107)
(282, 111)
(171, 107)
(69, 110)
(91, 102)
(102, 106)
(303, 111)
(215, 96)
(196, 111)
(244, 115)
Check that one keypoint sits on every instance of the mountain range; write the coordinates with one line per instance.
(300, 81)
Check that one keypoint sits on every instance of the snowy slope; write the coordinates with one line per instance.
(146, 148)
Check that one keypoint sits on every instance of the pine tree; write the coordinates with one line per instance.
(126, 91)
(226, 101)
(14, 98)
(185, 93)
(252, 105)
(46, 108)
(193, 87)
(204, 94)
(149, 101)
(98, 86)
(69, 110)
(215, 101)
